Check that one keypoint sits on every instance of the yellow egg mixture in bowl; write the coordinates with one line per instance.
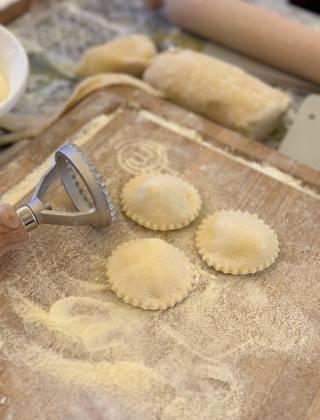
(4, 87)
(14, 70)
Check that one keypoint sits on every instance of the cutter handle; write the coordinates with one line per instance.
(12, 230)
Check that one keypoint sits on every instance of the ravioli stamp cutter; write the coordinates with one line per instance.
(85, 187)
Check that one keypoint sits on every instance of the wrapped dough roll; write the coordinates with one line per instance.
(219, 91)
(129, 55)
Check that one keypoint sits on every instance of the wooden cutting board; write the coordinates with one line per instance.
(240, 347)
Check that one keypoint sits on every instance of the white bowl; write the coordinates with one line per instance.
(15, 67)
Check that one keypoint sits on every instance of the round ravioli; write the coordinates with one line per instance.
(160, 202)
(150, 274)
(236, 242)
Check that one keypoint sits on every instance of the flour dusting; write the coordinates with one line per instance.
(216, 355)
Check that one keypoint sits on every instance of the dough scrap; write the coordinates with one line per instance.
(221, 92)
(150, 274)
(236, 242)
(160, 202)
(129, 55)
(23, 126)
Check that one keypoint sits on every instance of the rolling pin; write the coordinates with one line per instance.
(252, 30)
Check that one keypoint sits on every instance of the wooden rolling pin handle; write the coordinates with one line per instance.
(252, 30)
(12, 231)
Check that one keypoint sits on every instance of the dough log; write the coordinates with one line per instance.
(219, 91)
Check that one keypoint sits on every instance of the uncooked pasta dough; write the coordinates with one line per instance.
(236, 242)
(125, 55)
(150, 274)
(222, 92)
(160, 202)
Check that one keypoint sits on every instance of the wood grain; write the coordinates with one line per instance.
(106, 101)
(238, 347)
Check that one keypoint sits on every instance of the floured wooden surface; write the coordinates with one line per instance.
(237, 348)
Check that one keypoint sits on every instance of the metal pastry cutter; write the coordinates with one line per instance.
(85, 187)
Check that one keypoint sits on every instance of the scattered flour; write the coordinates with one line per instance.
(198, 358)
(263, 168)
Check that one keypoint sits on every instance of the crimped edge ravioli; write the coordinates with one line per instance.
(142, 219)
(150, 303)
(213, 259)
